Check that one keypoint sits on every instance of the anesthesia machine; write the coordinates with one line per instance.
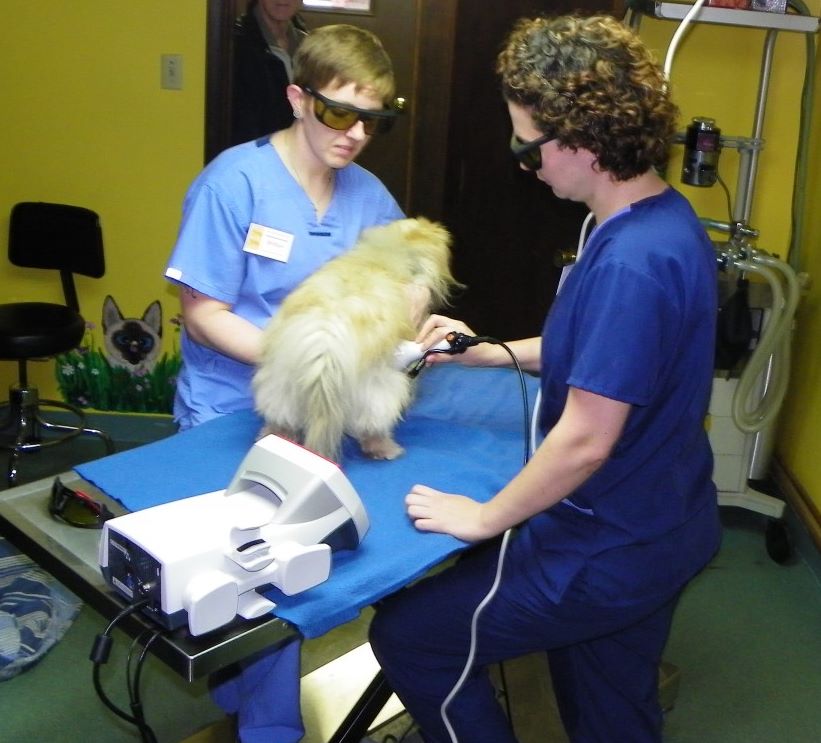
(758, 291)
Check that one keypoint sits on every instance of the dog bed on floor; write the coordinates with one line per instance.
(35, 611)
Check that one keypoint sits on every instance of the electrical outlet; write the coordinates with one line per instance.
(171, 71)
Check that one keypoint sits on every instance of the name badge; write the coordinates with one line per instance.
(268, 242)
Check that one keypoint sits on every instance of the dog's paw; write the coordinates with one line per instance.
(381, 447)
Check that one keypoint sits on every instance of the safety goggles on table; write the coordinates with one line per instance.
(76, 508)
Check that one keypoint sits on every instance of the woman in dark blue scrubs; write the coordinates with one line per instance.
(616, 510)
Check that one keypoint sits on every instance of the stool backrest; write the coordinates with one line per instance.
(65, 238)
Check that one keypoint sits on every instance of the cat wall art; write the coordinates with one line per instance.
(132, 343)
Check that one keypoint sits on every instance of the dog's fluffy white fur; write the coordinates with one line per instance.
(328, 365)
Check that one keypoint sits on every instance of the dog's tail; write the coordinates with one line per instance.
(320, 362)
(329, 377)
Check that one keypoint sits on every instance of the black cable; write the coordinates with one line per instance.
(146, 638)
(406, 732)
(525, 401)
(122, 614)
(459, 343)
(141, 662)
(146, 732)
(138, 640)
(100, 652)
(727, 194)
(503, 681)
(105, 700)
(99, 655)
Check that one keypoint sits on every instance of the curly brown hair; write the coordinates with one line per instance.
(592, 83)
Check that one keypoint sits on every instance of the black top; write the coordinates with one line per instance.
(259, 104)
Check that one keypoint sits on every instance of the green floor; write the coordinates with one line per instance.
(746, 638)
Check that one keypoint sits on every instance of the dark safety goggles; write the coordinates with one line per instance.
(76, 508)
(341, 116)
(529, 154)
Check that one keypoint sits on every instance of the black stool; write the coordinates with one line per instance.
(67, 239)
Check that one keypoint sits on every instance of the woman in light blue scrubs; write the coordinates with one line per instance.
(259, 219)
(616, 510)
(266, 214)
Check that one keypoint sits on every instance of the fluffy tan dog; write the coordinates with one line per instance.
(328, 366)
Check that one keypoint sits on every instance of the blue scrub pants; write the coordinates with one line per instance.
(264, 695)
(604, 660)
(262, 691)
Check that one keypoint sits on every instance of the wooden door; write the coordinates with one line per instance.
(507, 225)
(393, 21)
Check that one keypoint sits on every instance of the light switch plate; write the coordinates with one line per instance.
(171, 71)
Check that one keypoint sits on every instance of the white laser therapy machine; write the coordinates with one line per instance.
(199, 560)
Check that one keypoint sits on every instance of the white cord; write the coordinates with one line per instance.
(443, 710)
(682, 27)
(579, 248)
(474, 622)
(534, 422)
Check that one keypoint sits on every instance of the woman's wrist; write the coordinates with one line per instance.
(492, 355)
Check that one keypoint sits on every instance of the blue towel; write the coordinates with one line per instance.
(465, 433)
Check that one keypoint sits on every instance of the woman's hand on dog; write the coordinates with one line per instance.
(435, 329)
(446, 513)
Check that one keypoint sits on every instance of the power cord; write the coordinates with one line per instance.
(146, 732)
(99, 655)
(135, 706)
(402, 736)
(459, 343)
(443, 710)
(505, 695)
(726, 195)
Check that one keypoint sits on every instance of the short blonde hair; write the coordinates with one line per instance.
(342, 54)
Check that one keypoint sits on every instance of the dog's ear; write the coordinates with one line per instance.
(424, 231)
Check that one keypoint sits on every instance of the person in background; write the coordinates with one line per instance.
(266, 38)
(616, 510)
(260, 218)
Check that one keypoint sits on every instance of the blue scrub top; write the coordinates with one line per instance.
(244, 186)
(635, 322)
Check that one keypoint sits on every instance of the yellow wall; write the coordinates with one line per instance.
(715, 73)
(85, 122)
(801, 426)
